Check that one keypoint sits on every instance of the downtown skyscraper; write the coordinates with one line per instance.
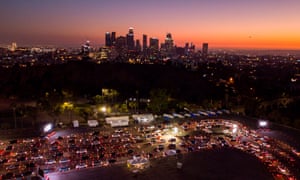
(130, 39)
(108, 42)
(145, 46)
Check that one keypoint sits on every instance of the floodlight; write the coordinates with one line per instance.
(47, 127)
(262, 123)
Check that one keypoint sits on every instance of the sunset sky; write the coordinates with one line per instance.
(273, 24)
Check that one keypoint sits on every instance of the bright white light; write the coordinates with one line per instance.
(234, 130)
(262, 123)
(103, 109)
(47, 127)
(175, 130)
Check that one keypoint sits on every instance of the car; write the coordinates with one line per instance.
(19, 176)
(50, 161)
(12, 167)
(96, 142)
(115, 135)
(30, 165)
(104, 163)
(111, 161)
(172, 140)
(59, 154)
(21, 158)
(36, 157)
(118, 131)
(182, 144)
(190, 149)
(130, 151)
(2, 161)
(8, 175)
(147, 144)
(162, 141)
(64, 160)
(22, 167)
(64, 169)
(96, 163)
(170, 152)
(172, 146)
(48, 170)
(9, 148)
(27, 173)
(80, 166)
(161, 147)
(153, 140)
(81, 151)
(85, 157)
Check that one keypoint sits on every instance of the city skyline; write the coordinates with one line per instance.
(232, 24)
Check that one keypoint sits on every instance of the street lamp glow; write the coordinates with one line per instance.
(47, 127)
(103, 109)
(67, 105)
(262, 123)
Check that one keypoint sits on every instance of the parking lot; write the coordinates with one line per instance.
(66, 151)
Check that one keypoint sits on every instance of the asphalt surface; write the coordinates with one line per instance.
(226, 163)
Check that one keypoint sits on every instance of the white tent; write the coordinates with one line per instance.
(143, 118)
(138, 163)
(117, 121)
(170, 152)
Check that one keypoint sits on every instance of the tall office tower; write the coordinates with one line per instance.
(154, 44)
(204, 50)
(130, 39)
(138, 46)
(107, 39)
(193, 47)
(86, 48)
(113, 38)
(120, 44)
(169, 44)
(144, 42)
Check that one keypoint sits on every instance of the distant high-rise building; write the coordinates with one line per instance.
(169, 44)
(120, 44)
(86, 48)
(204, 50)
(144, 42)
(138, 46)
(154, 44)
(189, 49)
(107, 39)
(113, 38)
(186, 48)
(130, 39)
